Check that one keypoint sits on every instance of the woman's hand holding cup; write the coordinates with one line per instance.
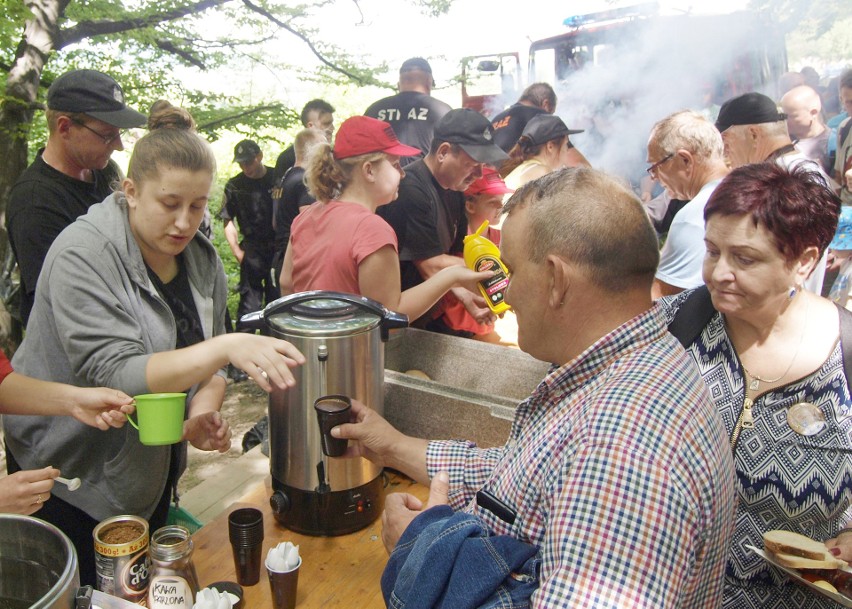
(99, 406)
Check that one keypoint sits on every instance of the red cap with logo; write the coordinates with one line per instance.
(362, 135)
(489, 184)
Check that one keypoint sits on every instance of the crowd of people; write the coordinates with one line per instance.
(699, 393)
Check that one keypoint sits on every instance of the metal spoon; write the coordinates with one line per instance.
(73, 484)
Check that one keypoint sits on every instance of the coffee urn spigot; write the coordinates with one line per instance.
(323, 488)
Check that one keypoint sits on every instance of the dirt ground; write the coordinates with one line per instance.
(244, 404)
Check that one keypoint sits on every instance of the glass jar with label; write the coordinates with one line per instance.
(173, 582)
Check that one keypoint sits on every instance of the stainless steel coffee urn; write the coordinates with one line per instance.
(342, 338)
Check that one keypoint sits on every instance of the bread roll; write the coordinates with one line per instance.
(418, 374)
(821, 583)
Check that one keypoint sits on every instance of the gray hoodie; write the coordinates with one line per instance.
(96, 321)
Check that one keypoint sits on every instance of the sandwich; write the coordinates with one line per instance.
(799, 552)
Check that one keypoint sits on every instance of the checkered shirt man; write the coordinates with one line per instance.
(619, 468)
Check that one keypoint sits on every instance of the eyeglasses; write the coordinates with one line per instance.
(652, 170)
(108, 139)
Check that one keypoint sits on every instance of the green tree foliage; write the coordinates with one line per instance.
(149, 42)
(833, 44)
(818, 29)
(149, 45)
(793, 13)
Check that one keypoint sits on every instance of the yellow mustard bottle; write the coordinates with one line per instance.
(480, 254)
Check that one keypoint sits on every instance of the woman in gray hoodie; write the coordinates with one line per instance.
(132, 296)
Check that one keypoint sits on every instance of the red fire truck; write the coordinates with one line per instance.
(619, 71)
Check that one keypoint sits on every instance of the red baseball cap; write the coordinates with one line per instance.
(489, 184)
(362, 135)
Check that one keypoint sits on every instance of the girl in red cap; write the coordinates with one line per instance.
(339, 243)
(483, 200)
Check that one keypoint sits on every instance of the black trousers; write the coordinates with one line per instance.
(256, 288)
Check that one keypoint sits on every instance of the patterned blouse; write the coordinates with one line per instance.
(785, 480)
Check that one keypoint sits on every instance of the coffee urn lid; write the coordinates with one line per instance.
(324, 315)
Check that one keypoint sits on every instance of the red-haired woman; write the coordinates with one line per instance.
(772, 355)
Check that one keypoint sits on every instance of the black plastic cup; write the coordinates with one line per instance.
(284, 587)
(245, 529)
(332, 410)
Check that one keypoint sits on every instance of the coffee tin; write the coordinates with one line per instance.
(121, 557)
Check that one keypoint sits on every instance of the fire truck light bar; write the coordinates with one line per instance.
(638, 10)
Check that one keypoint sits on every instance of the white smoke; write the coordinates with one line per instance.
(655, 67)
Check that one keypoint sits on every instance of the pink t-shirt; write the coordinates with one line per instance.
(330, 240)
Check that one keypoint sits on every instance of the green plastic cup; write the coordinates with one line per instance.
(160, 418)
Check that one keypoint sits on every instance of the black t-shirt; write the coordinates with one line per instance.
(510, 123)
(249, 202)
(413, 116)
(286, 160)
(428, 220)
(178, 296)
(42, 203)
(294, 196)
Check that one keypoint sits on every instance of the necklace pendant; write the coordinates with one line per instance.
(754, 384)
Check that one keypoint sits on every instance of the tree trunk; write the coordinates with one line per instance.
(16, 111)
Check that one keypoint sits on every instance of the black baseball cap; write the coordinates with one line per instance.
(543, 128)
(415, 63)
(93, 93)
(748, 109)
(472, 132)
(246, 151)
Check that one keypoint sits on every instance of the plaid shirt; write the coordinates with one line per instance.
(618, 467)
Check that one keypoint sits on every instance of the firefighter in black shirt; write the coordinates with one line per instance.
(248, 200)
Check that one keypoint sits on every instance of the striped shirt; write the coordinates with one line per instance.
(618, 467)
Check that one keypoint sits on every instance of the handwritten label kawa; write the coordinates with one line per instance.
(170, 591)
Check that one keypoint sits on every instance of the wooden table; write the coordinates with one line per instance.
(341, 571)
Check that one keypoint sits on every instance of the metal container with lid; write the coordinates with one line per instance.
(341, 336)
(38, 565)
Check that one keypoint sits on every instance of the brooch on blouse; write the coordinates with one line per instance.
(805, 419)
